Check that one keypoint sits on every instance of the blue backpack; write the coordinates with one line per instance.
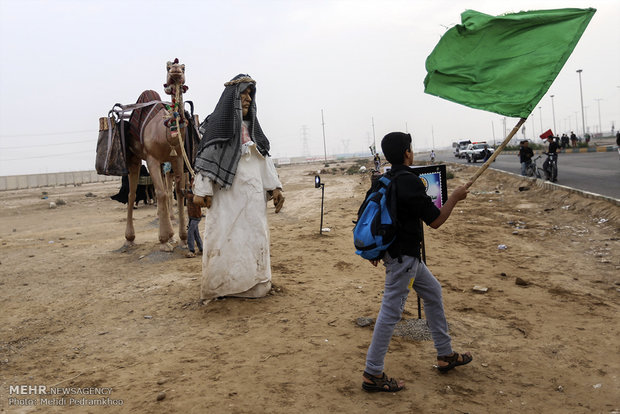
(375, 229)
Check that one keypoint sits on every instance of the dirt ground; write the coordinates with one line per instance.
(78, 311)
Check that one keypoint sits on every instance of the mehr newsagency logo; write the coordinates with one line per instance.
(32, 395)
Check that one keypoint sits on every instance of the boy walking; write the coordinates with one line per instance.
(404, 269)
(194, 212)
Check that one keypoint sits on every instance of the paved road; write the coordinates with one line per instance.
(597, 172)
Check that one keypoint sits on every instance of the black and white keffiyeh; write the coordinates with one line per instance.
(220, 146)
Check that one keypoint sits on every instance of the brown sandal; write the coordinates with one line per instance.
(380, 384)
(453, 361)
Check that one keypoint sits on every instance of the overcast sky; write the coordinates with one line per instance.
(65, 63)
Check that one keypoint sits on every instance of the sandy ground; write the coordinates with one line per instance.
(78, 311)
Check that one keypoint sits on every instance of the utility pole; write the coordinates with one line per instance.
(577, 123)
(583, 117)
(412, 141)
(553, 109)
(600, 125)
(324, 147)
(374, 140)
(540, 117)
(304, 141)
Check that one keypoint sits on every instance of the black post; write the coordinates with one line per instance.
(322, 197)
(424, 261)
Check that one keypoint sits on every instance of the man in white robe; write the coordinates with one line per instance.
(235, 177)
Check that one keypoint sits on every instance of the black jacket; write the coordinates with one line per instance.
(413, 205)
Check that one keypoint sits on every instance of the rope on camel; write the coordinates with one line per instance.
(173, 122)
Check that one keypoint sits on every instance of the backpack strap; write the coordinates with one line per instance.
(393, 200)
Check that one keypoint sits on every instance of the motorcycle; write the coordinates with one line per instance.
(550, 167)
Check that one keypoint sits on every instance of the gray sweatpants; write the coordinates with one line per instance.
(399, 278)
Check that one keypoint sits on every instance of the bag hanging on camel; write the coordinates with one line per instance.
(110, 149)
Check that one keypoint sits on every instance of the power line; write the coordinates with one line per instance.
(49, 145)
(45, 156)
(48, 133)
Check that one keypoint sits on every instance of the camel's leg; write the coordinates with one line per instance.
(134, 174)
(165, 226)
(179, 186)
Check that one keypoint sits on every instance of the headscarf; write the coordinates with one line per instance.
(220, 146)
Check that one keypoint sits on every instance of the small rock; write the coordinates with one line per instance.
(502, 247)
(52, 205)
(162, 381)
(503, 274)
(90, 195)
(521, 282)
(161, 396)
(560, 388)
(597, 386)
(515, 232)
(60, 202)
(148, 317)
(480, 289)
(524, 188)
(363, 321)
(484, 364)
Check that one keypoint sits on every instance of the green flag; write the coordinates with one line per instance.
(504, 64)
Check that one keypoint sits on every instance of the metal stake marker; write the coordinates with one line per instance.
(317, 184)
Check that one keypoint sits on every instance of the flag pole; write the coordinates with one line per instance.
(498, 150)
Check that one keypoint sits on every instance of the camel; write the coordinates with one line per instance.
(154, 138)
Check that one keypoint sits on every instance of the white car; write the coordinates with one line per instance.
(475, 151)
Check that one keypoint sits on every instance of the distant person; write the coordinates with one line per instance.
(432, 155)
(587, 137)
(194, 213)
(486, 153)
(618, 141)
(525, 156)
(405, 271)
(565, 141)
(141, 191)
(573, 139)
(552, 155)
(377, 160)
(146, 188)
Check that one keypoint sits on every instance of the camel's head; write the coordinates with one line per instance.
(176, 73)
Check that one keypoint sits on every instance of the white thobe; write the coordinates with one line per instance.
(235, 259)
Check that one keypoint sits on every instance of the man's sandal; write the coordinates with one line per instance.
(380, 384)
(453, 361)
